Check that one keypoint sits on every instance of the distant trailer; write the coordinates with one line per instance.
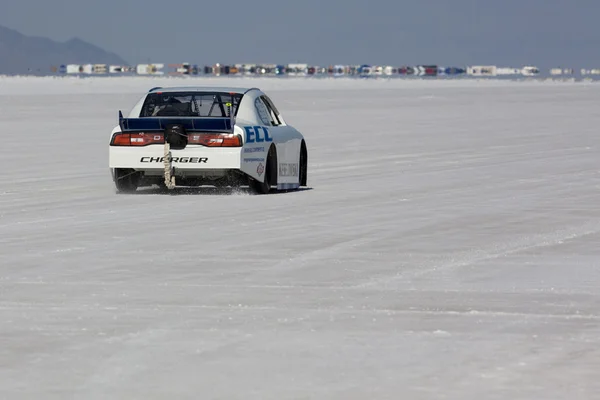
(116, 69)
(507, 71)
(270, 69)
(297, 69)
(353, 69)
(180, 69)
(100, 69)
(482, 70)
(76, 69)
(426, 70)
(431, 70)
(229, 70)
(389, 70)
(150, 69)
(184, 69)
(246, 69)
(561, 71)
(217, 69)
(280, 69)
(261, 70)
(73, 69)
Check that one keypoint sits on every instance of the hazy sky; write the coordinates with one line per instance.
(447, 32)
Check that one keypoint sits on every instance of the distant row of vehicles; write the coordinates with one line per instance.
(310, 70)
(295, 70)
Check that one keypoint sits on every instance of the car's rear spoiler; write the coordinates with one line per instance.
(203, 124)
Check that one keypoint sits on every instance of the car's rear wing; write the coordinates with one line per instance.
(198, 124)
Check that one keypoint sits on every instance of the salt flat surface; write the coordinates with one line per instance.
(448, 248)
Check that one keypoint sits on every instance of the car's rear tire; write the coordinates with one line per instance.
(126, 180)
(303, 178)
(270, 177)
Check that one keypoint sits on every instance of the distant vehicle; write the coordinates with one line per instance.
(451, 71)
(482, 70)
(595, 71)
(530, 71)
(427, 70)
(79, 69)
(365, 70)
(297, 69)
(506, 71)
(405, 70)
(389, 70)
(150, 69)
(338, 70)
(193, 136)
(561, 71)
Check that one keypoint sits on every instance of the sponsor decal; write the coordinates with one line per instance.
(288, 169)
(254, 134)
(182, 160)
(260, 169)
(254, 150)
(254, 159)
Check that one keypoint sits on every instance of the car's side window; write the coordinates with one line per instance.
(263, 112)
(273, 113)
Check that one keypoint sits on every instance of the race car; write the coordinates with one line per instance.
(195, 136)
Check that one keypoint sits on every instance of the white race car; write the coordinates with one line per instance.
(192, 136)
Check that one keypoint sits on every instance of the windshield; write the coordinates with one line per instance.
(191, 104)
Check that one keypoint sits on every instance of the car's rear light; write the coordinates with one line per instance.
(204, 139)
(215, 139)
(137, 139)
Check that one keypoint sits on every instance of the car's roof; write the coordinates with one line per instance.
(236, 90)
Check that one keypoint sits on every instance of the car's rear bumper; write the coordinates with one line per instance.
(151, 158)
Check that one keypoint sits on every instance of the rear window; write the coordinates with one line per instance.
(191, 104)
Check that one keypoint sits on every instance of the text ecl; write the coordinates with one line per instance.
(253, 134)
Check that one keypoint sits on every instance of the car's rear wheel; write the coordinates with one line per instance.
(270, 179)
(303, 178)
(126, 180)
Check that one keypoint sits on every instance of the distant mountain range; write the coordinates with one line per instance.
(20, 54)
